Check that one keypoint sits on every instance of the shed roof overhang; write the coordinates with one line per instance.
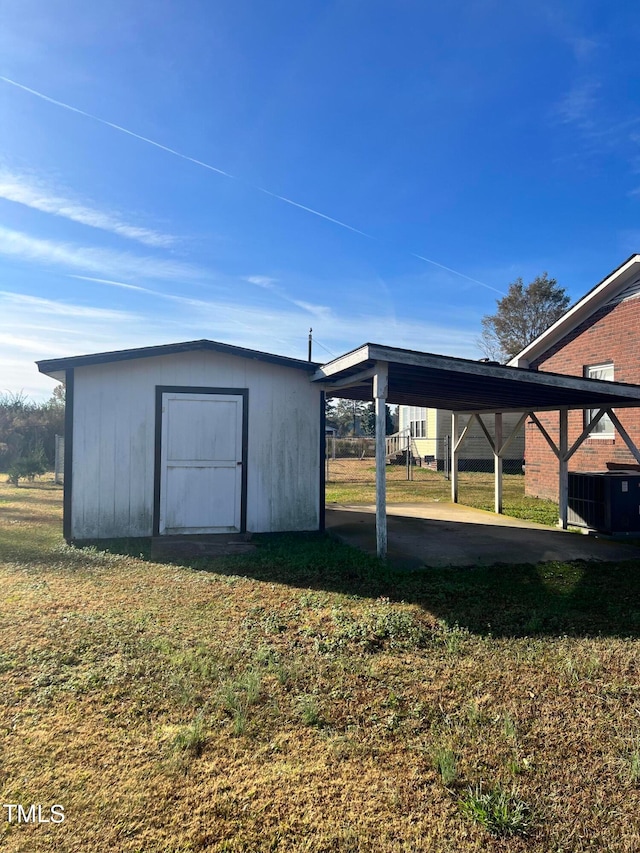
(57, 367)
(463, 385)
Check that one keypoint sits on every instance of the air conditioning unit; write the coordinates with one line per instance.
(608, 501)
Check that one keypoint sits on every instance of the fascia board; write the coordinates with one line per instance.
(343, 362)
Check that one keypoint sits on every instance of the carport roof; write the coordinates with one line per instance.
(463, 385)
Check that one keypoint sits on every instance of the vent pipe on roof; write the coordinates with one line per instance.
(310, 343)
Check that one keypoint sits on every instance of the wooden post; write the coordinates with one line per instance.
(408, 452)
(563, 469)
(625, 435)
(497, 462)
(455, 419)
(380, 391)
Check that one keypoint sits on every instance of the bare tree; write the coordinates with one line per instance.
(523, 314)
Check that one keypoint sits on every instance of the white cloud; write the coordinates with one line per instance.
(261, 281)
(34, 328)
(48, 307)
(319, 311)
(36, 194)
(16, 244)
(110, 283)
(20, 342)
(578, 105)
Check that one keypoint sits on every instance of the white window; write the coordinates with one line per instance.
(604, 427)
(418, 429)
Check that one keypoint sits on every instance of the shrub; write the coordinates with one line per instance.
(27, 467)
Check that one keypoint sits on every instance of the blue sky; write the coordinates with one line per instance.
(242, 171)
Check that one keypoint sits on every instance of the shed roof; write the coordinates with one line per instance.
(462, 385)
(56, 367)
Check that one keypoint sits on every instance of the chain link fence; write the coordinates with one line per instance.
(422, 464)
(350, 460)
(353, 460)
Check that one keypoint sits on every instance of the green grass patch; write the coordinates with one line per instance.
(499, 812)
(475, 490)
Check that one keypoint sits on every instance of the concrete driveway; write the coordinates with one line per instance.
(446, 534)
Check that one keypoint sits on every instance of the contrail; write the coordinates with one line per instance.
(310, 210)
(112, 283)
(175, 153)
(114, 126)
(461, 274)
(224, 174)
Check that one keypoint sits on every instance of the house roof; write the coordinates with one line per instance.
(56, 367)
(625, 277)
(462, 385)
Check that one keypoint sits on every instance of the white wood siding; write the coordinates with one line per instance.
(114, 441)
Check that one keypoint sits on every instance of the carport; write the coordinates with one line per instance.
(478, 389)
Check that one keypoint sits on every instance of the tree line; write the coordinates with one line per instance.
(27, 433)
(351, 418)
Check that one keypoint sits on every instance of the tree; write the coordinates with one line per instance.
(58, 396)
(368, 420)
(28, 429)
(354, 417)
(523, 314)
(345, 416)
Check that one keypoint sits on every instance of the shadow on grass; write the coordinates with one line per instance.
(36, 486)
(573, 598)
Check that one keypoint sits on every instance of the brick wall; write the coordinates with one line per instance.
(612, 334)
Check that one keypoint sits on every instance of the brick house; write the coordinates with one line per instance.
(598, 338)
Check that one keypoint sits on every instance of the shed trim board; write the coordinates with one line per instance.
(161, 391)
(67, 483)
(55, 367)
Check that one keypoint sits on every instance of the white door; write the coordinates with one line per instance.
(201, 463)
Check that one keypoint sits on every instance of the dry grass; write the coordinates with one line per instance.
(304, 698)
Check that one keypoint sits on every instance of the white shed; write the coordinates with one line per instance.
(190, 438)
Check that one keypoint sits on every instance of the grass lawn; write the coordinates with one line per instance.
(356, 485)
(306, 698)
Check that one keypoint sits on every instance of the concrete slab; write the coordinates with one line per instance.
(190, 547)
(446, 534)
